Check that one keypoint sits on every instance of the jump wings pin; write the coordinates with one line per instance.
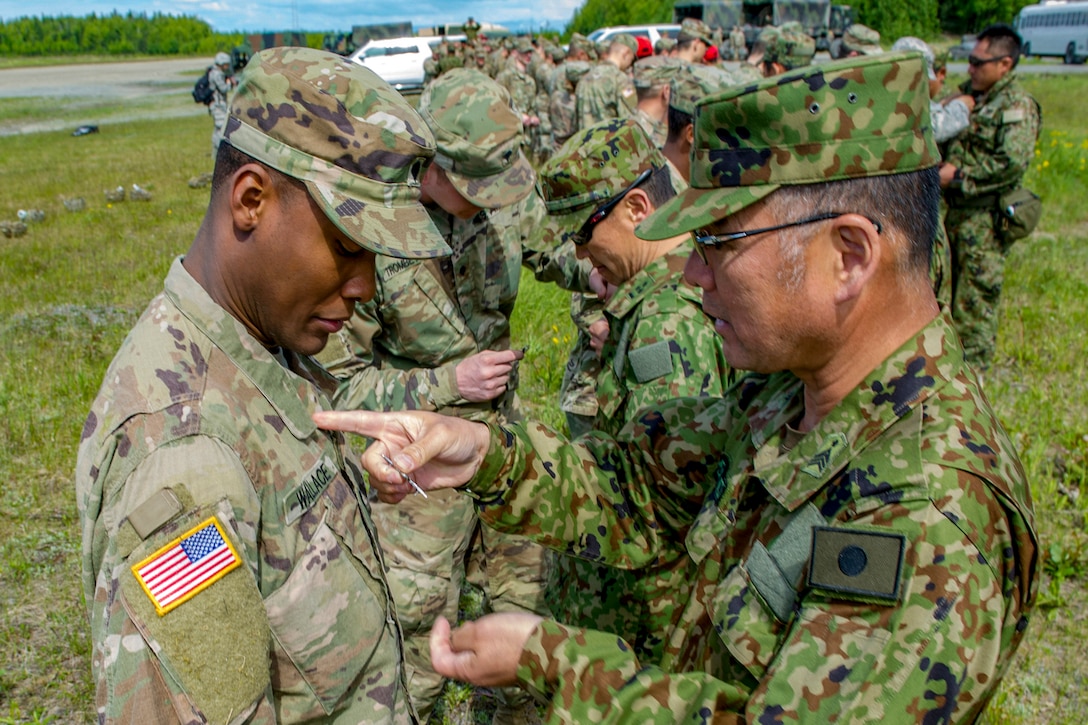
(186, 566)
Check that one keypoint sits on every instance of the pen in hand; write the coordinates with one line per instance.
(407, 478)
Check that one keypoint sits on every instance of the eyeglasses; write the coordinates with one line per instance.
(974, 61)
(583, 235)
(704, 240)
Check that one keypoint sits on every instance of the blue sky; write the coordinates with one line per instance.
(318, 15)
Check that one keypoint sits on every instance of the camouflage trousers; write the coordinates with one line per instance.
(219, 113)
(427, 544)
(978, 273)
(643, 606)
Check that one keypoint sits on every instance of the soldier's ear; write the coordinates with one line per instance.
(250, 191)
(858, 251)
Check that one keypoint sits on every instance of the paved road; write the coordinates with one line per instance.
(104, 80)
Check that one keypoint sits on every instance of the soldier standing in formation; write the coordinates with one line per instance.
(607, 91)
(230, 566)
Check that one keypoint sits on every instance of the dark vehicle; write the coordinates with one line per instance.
(363, 34)
(820, 19)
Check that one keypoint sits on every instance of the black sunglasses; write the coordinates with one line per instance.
(704, 240)
(974, 61)
(582, 236)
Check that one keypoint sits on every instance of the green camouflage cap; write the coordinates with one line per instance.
(695, 29)
(692, 83)
(581, 42)
(355, 143)
(861, 39)
(791, 47)
(654, 70)
(593, 165)
(664, 44)
(908, 42)
(523, 45)
(864, 116)
(626, 40)
(479, 136)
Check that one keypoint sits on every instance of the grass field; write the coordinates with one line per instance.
(71, 288)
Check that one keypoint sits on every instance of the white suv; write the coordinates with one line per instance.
(399, 61)
(653, 32)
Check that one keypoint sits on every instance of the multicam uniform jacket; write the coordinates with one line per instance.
(881, 566)
(196, 426)
(661, 346)
(401, 349)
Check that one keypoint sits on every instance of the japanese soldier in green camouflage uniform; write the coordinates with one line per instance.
(607, 91)
(598, 187)
(864, 546)
(436, 336)
(982, 163)
(230, 564)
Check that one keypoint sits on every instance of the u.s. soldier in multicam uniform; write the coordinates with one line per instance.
(203, 422)
(660, 346)
(865, 545)
(221, 81)
(982, 163)
(436, 336)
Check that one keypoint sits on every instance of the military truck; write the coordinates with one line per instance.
(363, 34)
(820, 19)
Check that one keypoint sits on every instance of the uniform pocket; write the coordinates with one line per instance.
(746, 624)
(329, 621)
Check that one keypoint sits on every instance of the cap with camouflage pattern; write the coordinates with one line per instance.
(788, 46)
(593, 165)
(654, 71)
(692, 83)
(355, 143)
(479, 136)
(861, 39)
(864, 116)
(695, 29)
(523, 45)
(664, 44)
(222, 58)
(917, 44)
(626, 40)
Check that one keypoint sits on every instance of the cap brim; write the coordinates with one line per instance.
(558, 228)
(697, 209)
(400, 230)
(498, 190)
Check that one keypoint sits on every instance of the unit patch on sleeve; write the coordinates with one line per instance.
(186, 566)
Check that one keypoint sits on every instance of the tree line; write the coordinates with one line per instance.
(113, 34)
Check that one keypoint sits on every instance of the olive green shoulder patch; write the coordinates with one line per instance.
(154, 512)
(215, 645)
(650, 362)
(861, 564)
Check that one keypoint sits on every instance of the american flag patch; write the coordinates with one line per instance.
(186, 566)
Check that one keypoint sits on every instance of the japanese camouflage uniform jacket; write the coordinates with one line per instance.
(881, 566)
(995, 152)
(400, 350)
(197, 425)
(661, 346)
(605, 92)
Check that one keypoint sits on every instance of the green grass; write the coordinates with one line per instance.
(71, 288)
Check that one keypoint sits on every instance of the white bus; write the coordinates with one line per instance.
(1055, 27)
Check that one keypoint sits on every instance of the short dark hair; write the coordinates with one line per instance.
(659, 186)
(1003, 40)
(229, 159)
(906, 202)
(678, 121)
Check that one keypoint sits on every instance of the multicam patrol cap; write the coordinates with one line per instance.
(908, 42)
(693, 83)
(593, 166)
(355, 143)
(695, 29)
(864, 116)
(789, 46)
(861, 39)
(479, 137)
